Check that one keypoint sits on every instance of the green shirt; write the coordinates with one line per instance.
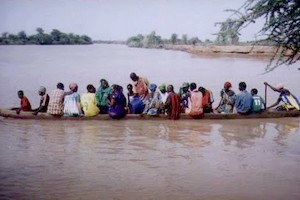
(102, 95)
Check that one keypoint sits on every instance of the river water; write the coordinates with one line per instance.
(130, 159)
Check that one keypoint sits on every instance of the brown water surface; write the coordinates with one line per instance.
(233, 159)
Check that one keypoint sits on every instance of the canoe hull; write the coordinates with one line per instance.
(44, 116)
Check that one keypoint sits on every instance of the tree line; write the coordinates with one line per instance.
(153, 41)
(56, 37)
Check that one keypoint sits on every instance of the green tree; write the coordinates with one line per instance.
(228, 34)
(40, 30)
(282, 26)
(184, 39)
(22, 37)
(174, 38)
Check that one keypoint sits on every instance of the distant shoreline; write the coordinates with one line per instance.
(224, 50)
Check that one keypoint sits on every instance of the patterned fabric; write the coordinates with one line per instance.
(25, 104)
(101, 96)
(88, 104)
(55, 106)
(141, 87)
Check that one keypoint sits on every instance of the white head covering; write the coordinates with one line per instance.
(279, 86)
(42, 89)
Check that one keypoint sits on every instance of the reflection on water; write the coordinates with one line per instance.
(131, 159)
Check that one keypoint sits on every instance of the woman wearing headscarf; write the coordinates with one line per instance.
(72, 102)
(117, 103)
(102, 95)
(152, 101)
(227, 99)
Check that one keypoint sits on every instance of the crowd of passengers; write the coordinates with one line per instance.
(145, 98)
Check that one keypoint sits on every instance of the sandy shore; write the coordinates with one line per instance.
(213, 49)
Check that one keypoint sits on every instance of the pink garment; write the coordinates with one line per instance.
(195, 104)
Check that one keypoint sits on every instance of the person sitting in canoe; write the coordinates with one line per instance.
(140, 85)
(243, 101)
(184, 94)
(289, 101)
(195, 109)
(72, 102)
(152, 101)
(227, 99)
(207, 100)
(164, 95)
(88, 102)
(172, 104)
(24, 103)
(258, 104)
(101, 95)
(44, 101)
(56, 102)
(117, 102)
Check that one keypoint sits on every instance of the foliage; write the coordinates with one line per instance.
(228, 34)
(56, 37)
(281, 27)
(153, 40)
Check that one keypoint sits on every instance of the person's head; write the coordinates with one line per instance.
(242, 86)
(254, 91)
(115, 87)
(134, 77)
(60, 86)
(185, 87)
(129, 87)
(227, 85)
(162, 88)
(20, 94)
(90, 88)
(104, 83)
(42, 91)
(73, 87)
(280, 87)
(170, 88)
(202, 90)
(152, 87)
(193, 86)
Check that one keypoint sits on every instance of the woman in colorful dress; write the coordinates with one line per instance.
(117, 102)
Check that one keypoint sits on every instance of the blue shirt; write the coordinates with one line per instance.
(243, 102)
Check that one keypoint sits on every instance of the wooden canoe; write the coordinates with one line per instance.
(44, 116)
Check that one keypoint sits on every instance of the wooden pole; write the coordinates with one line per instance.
(266, 87)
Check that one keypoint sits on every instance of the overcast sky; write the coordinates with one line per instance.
(119, 19)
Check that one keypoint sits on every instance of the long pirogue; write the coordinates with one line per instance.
(44, 116)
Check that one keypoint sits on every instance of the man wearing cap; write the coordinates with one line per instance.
(227, 99)
(290, 102)
(44, 101)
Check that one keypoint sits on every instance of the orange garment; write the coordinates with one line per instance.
(206, 99)
(25, 104)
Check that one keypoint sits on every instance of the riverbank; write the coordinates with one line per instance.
(224, 50)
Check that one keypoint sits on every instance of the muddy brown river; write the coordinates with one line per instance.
(155, 159)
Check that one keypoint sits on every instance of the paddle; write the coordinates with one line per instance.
(266, 96)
